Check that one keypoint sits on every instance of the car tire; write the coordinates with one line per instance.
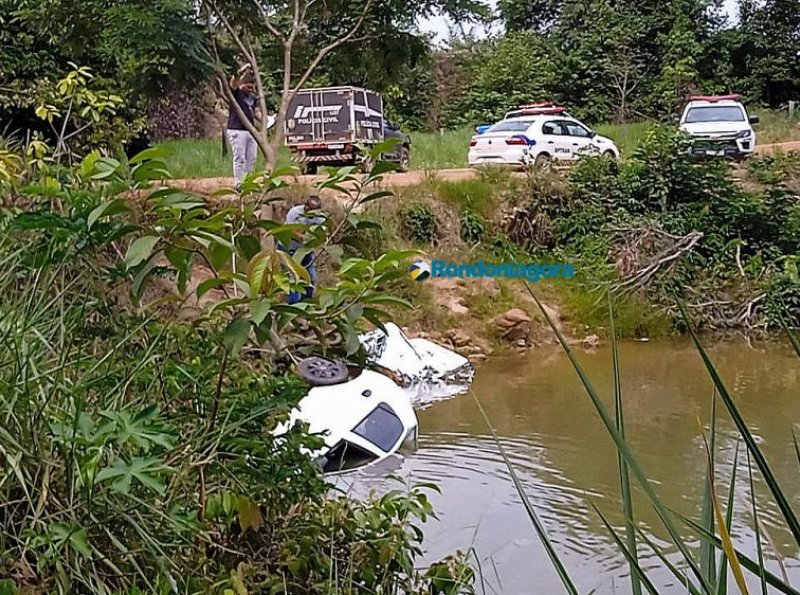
(405, 159)
(609, 155)
(309, 169)
(318, 371)
(543, 162)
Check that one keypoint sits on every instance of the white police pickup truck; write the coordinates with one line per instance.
(719, 126)
(536, 134)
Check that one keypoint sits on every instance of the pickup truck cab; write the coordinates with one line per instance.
(719, 126)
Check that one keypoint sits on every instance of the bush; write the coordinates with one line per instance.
(417, 223)
(473, 227)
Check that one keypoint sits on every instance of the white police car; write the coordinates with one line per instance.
(719, 126)
(536, 134)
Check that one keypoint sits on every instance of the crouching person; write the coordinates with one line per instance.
(307, 213)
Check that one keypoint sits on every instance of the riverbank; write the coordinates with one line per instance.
(655, 227)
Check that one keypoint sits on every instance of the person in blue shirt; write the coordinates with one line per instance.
(307, 213)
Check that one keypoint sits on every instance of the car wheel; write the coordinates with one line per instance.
(543, 162)
(318, 371)
(609, 155)
(309, 169)
(405, 159)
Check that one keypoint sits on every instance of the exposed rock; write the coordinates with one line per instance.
(514, 325)
(591, 341)
(456, 306)
(477, 357)
(458, 337)
(522, 343)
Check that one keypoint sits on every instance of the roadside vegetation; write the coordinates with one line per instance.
(651, 227)
(147, 354)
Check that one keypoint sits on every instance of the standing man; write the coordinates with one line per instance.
(243, 145)
(304, 214)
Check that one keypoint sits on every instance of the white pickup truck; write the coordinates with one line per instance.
(719, 126)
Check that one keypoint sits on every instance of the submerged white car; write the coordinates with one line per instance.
(719, 126)
(365, 416)
(362, 420)
(536, 136)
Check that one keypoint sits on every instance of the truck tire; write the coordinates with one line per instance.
(405, 159)
(309, 169)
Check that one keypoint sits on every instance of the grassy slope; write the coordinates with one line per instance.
(432, 150)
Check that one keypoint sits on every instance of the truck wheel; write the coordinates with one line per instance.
(405, 159)
(309, 169)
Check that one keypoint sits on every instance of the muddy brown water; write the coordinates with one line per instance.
(566, 460)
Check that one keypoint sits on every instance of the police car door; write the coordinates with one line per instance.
(555, 141)
(579, 138)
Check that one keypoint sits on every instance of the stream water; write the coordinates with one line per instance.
(567, 461)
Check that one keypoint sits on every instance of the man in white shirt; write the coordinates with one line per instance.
(307, 213)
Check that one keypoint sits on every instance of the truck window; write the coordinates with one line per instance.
(729, 113)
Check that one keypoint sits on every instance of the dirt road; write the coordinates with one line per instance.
(207, 186)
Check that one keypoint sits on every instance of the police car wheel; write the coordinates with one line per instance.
(318, 371)
(543, 161)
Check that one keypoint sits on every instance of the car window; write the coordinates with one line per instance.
(730, 113)
(575, 129)
(382, 427)
(552, 127)
(511, 126)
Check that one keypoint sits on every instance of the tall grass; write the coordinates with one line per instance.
(715, 529)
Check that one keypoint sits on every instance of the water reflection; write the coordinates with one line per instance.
(566, 460)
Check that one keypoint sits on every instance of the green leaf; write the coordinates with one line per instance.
(249, 245)
(143, 470)
(158, 153)
(624, 476)
(259, 310)
(769, 478)
(210, 284)
(106, 209)
(139, 250)
(236, 335)
(624, 448)
(142, 275)
(532, 515)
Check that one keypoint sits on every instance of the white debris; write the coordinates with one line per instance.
(427, 370)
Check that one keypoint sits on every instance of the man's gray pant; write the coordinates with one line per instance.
(244, 149)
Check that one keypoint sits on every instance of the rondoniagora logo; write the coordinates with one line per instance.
(507, 270)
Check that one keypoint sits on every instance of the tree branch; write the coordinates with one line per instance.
(329, 48)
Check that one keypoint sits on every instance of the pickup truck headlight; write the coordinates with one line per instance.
(743, 134)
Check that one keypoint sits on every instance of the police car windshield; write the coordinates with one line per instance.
(511, 126)
(715, 114)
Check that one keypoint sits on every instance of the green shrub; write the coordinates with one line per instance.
(473, 227)
(418, 223)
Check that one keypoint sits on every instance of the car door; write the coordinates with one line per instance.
(579, 137)
(555, 141)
